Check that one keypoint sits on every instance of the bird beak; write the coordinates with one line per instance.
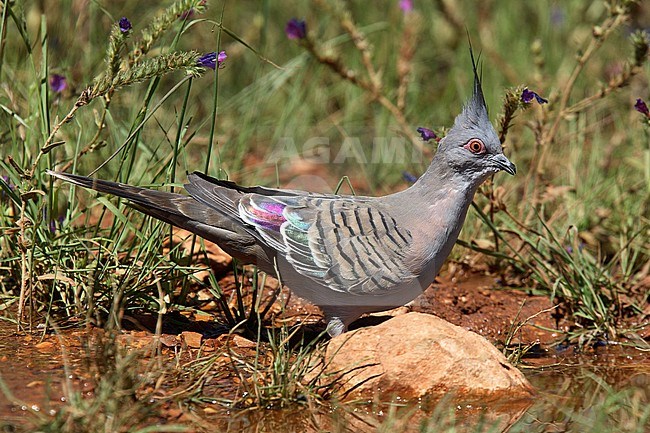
(503, 163)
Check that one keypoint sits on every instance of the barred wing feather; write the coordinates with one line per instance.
(347, 244)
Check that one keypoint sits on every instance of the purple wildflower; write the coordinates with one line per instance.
(58, 83)
(527, 97)
(7, 180)
(10, 185)
(208, 60)
(406, 5)
(569, 248)
(212, 60)
(57, 223)
(558, 17)
(125, 25)
(642, 107)
(296, 29)
(221, 58)
(410, 178)
(427, 134)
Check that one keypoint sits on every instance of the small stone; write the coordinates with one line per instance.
(192, 339)
(243, 343)
(418, 355)
(44, 345)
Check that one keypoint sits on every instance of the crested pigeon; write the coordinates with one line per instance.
(349, 255)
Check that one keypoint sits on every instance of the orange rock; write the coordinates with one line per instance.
(170, 340)
(242, 342)
(192, 339)
(418, 355)
(44, 345)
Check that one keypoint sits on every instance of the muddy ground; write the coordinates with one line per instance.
(40, 368)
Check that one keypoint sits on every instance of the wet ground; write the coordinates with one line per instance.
(40, 370)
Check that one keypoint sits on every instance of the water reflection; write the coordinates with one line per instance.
(604, 393)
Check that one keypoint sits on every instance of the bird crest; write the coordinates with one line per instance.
(472, 123)
(474, 116)
(477, 102)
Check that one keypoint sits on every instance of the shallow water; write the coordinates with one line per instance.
(606, 389)
(30, 370)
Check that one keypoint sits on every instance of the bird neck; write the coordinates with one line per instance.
(442, 180)
(440, 191)
(441, 194)
(433, 210)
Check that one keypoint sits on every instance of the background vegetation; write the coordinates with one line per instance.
(573, 223)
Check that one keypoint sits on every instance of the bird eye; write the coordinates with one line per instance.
(475, 146)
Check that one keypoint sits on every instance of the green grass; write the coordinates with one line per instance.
(573, 224)
(584, 160)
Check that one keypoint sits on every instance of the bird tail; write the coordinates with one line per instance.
(159, 204)
(209, 222)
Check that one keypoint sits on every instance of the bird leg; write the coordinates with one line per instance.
(336, 327)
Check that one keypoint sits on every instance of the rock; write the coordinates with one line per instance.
(192, 339)
(418, 355)
(243, 343)
(45, 346)
(170, 340)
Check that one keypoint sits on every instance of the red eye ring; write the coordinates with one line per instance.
(475, 146)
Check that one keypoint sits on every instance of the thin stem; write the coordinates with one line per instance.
(335, 64)
(48, 146)
(93, 142)
(543, 144)
(23, 265)
(139, 127)
(595, 43)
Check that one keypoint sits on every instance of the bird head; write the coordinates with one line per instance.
(472, 146)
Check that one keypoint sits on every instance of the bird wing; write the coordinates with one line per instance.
(349, 244)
